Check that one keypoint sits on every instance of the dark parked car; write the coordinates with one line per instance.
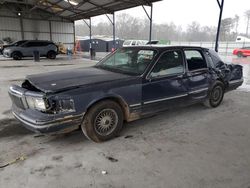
(131, 83)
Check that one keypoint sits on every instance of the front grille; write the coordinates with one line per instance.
(18, 101)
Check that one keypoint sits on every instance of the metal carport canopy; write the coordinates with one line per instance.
(85, 9)
(81, 9)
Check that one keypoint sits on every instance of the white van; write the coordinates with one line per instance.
(242, 39)
(134, 42)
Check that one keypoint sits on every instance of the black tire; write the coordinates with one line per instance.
(103, 121)
(51, 55)
(215, 95)
(239, 54)
(16, 55)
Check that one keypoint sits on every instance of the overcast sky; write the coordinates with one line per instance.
(183, 12)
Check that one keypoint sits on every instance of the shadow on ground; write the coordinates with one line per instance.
(11, 127)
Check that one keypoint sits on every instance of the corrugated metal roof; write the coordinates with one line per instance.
(81, 9)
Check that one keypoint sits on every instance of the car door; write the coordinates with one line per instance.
(197, 74)
(42, 47)
(29, 48)
(163, 87)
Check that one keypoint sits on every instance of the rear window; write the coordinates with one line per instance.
(195, 60)
(215, 57)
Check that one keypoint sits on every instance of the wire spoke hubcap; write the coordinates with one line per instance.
(106, 122)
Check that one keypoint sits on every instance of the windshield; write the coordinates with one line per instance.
(128, 61)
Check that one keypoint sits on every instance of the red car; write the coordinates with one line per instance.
(242, 52)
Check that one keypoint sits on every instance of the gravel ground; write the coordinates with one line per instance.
(188, 147)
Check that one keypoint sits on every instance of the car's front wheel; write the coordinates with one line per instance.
(215, 95)
(103, 121)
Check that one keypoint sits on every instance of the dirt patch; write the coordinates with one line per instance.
(57, 158)
(42, 170)
(77, 165)
(11, 127)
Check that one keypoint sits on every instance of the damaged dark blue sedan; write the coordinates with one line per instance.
(131, 83)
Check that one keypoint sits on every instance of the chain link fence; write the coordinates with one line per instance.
(225, 48)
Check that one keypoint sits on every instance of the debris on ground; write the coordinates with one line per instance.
(104, 172)
(112, 159)
(21, 158)
(39, 135)
(128, 136)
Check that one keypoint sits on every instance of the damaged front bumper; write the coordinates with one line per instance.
(48, 124)
(41, 122)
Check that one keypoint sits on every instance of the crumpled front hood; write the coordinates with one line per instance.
(62, 80)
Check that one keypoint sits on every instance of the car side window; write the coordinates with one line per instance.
(31, 44)
(170, 63)
(28, 44)
(195, 60)
(118, 59)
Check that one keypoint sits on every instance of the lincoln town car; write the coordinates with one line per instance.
(128, 84)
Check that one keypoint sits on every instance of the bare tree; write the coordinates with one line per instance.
(227, 25)
(247, 15)
(129, 27)
(236, 23)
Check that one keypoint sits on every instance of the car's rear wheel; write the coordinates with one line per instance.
(51, 55)
(215, 96)
(240, 54)
(103, 121)
(16, 55)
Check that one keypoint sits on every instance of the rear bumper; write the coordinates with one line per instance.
(51, 124)
(234, 84)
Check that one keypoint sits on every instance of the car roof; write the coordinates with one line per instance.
(38, 41)
(163, 47)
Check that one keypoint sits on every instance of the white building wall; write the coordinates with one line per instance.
(63, 32)
(10, 27)
(37, 30)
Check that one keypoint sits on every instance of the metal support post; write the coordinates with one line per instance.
(112, 21)
(150, 17)
(221, 5)
(92, 54)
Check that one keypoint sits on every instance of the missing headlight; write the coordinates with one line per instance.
(66, 105)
